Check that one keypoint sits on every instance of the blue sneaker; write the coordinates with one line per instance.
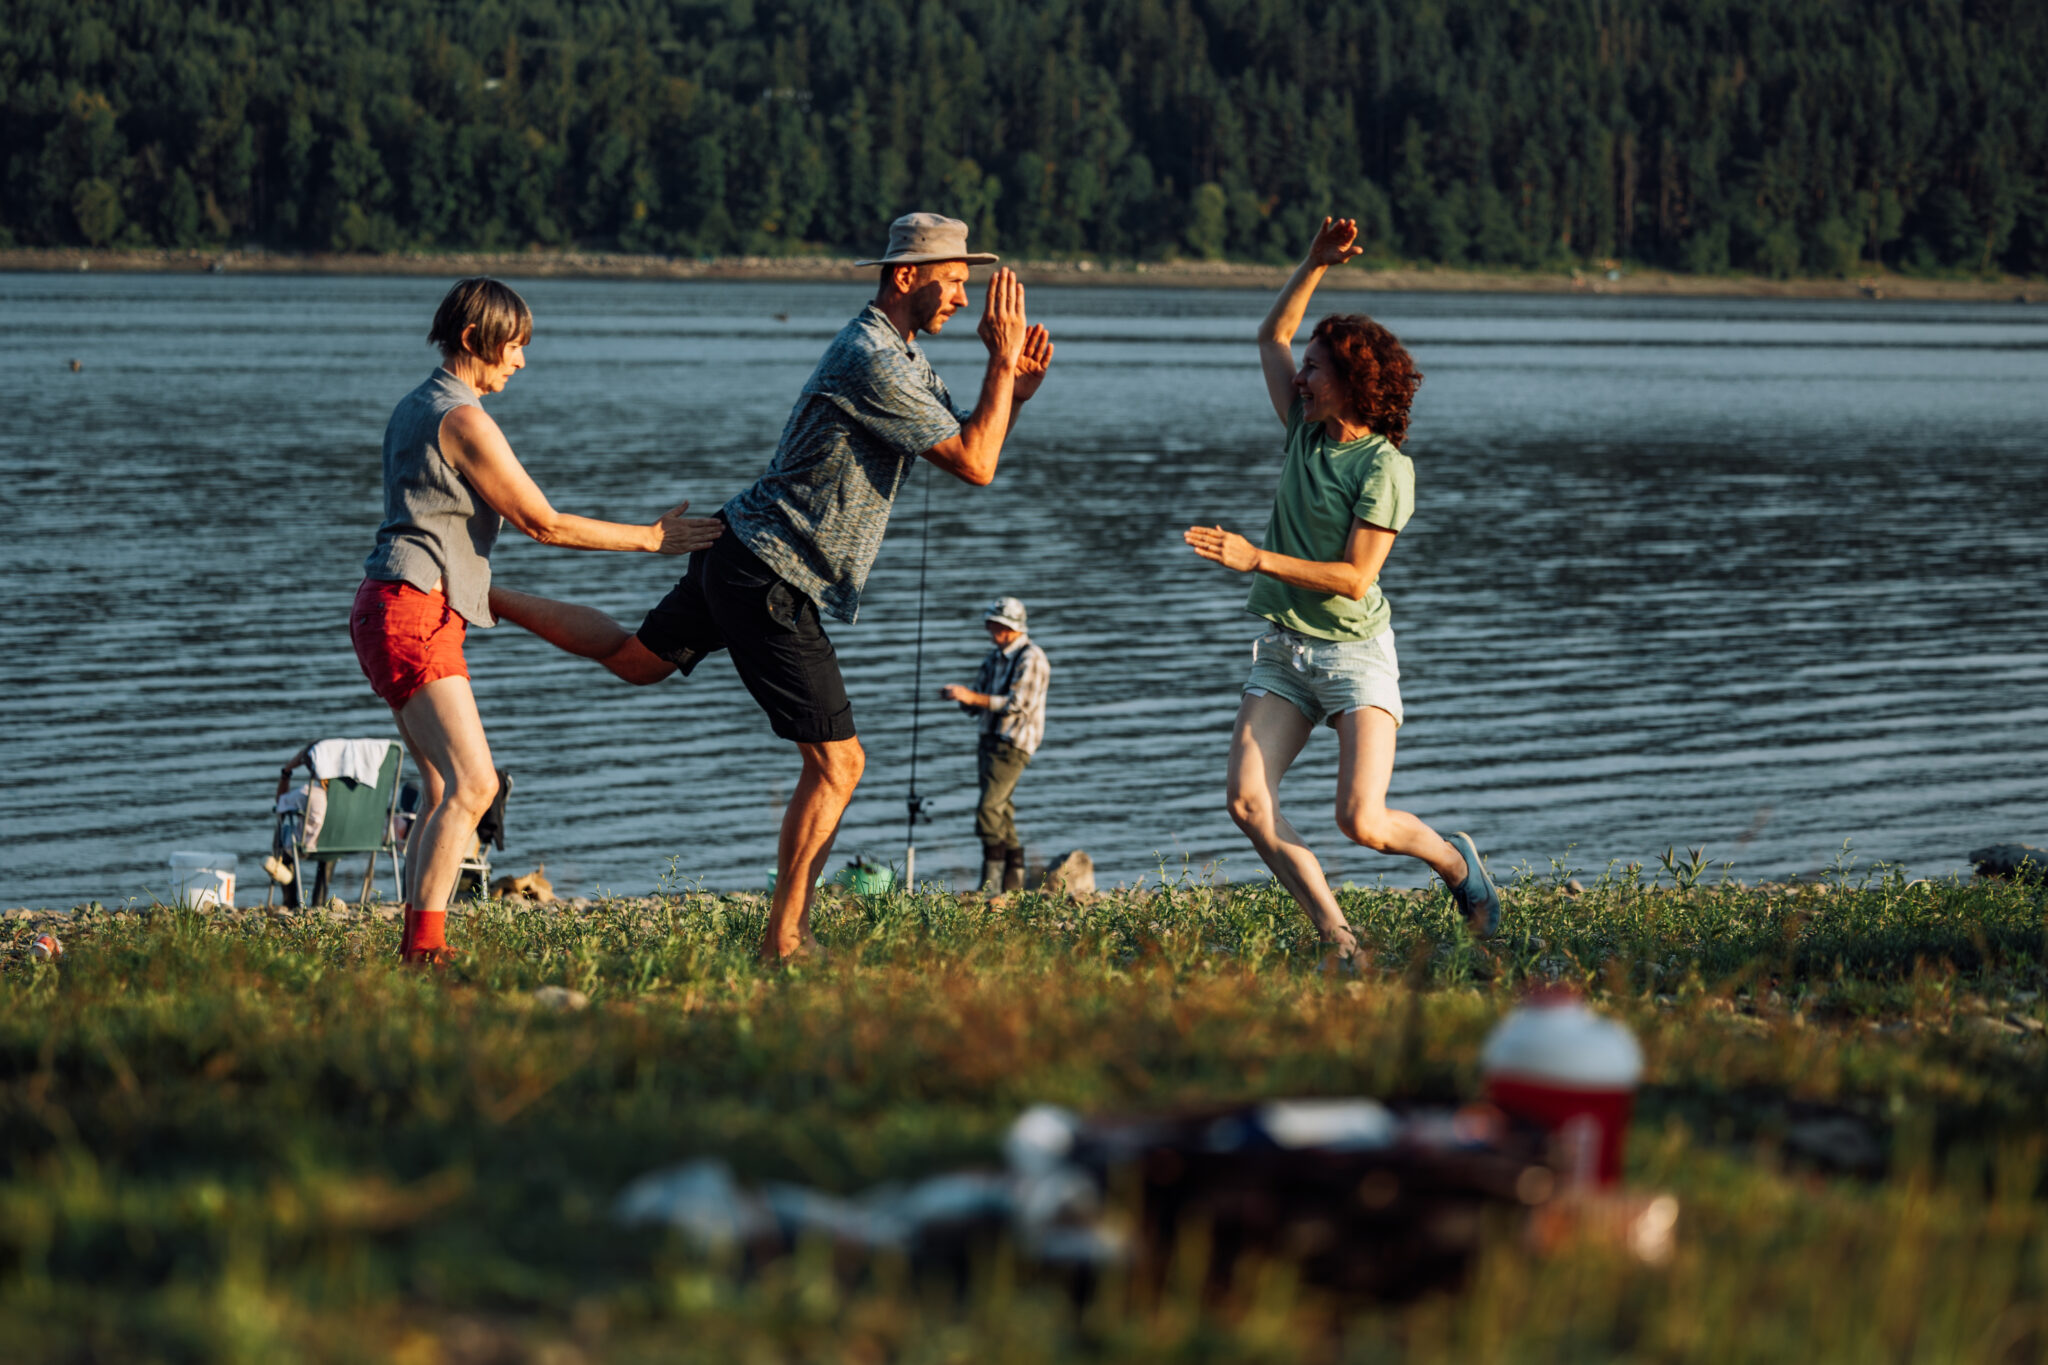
(1479, 898)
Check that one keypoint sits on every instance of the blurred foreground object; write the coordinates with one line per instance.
(1644, 1225)
(1361, 1198)
(1554, 1063)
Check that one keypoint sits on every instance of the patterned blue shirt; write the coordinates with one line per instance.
(867, 412)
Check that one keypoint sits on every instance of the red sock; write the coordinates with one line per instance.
(405, 931)
(424, 930)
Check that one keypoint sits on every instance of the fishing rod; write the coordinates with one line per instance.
(917, 806)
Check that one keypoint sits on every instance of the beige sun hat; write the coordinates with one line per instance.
(1005, 611)
(921, 238)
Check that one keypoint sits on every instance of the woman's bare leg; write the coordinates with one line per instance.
(583, 631)
(431, 790)
(1268, 737)
(447, 736)
(1365, 765)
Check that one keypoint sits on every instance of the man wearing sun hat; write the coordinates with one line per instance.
(800, 541)
(1009, 694)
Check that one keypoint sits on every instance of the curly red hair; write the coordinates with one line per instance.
(1376, 371)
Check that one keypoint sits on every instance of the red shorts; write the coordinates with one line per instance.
(405, 639)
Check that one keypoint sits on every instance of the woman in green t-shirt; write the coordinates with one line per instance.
(1346, 490)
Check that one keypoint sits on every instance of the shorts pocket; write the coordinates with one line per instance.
(733, 565)
(413, 615)
(784, 605)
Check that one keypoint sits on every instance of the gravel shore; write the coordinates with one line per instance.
(1136, 274)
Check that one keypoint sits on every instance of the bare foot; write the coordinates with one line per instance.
(807, 951)
(1345, 955)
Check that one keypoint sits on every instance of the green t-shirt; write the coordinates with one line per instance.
(1323, 484)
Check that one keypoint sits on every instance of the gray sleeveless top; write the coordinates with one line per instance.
(435, 525)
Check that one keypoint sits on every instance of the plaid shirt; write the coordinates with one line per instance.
(1015, 680)
(867, 412)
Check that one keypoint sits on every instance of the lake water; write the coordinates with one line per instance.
(1760, 575)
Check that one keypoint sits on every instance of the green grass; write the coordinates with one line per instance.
(251, 1139)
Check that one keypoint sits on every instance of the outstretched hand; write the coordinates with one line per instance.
(1219, 546)
(680, 535)
(1002, 326)
(1033, 361)
(1336, 242)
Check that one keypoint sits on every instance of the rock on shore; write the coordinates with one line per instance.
(1071, 874)
(2011, 861)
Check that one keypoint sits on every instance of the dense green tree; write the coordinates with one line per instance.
(1768, 135)
(1207, 221)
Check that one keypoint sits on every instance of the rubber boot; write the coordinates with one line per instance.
(991, 868)
(1013, 869)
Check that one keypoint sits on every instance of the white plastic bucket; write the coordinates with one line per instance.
(200, 880)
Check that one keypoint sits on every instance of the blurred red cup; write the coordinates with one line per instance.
(1555, 1063)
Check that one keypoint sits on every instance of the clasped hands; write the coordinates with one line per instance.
(1023, 348)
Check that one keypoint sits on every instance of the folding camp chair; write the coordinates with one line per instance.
(339, 816)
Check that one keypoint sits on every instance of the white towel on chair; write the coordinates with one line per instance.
(358, 760)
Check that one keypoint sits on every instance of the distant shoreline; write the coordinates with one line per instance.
(1113, 274)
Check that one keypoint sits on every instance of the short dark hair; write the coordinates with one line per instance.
(500, 316)
(1376, 370)
(889, 271)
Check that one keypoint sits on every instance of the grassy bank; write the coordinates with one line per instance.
(252, 1138)
(1387, 278)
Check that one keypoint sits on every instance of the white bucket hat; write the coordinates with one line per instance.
(1006, 611)
(921, 238)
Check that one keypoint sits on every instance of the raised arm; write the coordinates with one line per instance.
(1018, 355)
(1336, 242)
(1365, 554)
(472, 442)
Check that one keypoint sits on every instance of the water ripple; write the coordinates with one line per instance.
(1760, 575)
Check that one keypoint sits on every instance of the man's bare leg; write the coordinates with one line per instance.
(583, 631)
(832, 770)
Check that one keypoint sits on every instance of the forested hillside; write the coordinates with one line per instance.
(1783, 136)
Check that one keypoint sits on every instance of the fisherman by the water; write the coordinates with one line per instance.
(802, 538)
(1326, 655)
(1009, 697)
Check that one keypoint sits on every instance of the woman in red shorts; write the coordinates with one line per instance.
(450, 480)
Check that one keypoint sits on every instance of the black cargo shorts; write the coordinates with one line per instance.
(729, 599)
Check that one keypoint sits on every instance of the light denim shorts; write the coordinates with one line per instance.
(1326, 678)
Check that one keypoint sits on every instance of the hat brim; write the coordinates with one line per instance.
(1002, 621)
(933, 258)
